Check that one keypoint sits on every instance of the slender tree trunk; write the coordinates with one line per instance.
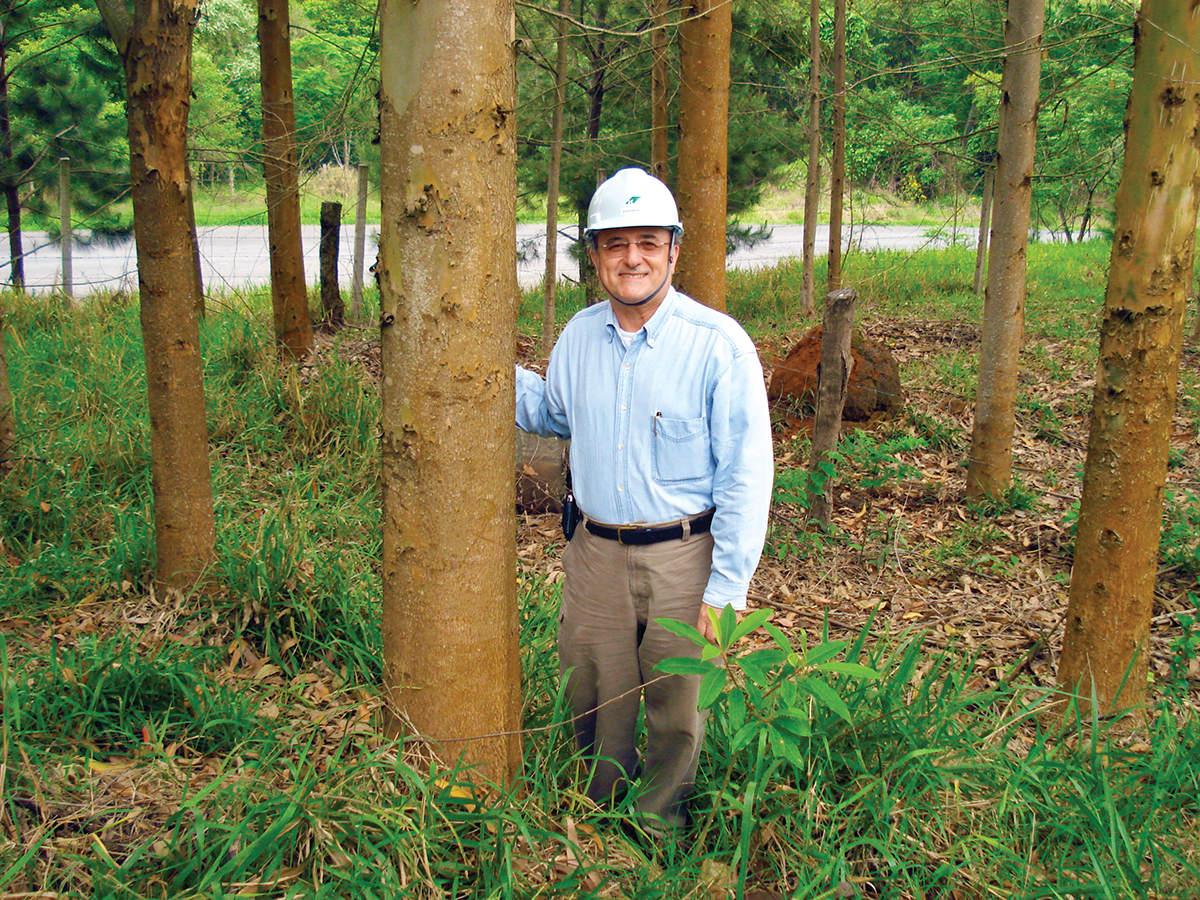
(985, 223)
(156, 45)
(1105, 643)
(360, 246)
(659, 87)
(550, 281)
(837, 174)
(8, 425)
(989, 471)
(447, 279)
(289, 293)
(704, 36)
(812, 180)
(9, 183)
(833, 377)
(331, 295)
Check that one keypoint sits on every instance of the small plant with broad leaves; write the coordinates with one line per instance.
(769, 692)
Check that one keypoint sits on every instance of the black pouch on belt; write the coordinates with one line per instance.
(571, 516)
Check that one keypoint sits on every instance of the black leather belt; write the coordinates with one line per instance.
(646, 534)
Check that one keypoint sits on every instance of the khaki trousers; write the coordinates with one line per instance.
(608, 646)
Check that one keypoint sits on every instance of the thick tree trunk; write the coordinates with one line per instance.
(837, 172)
(289, 294)
(447, 280)
(156, 44)
(812, 180)
(990, 468)
(550, 280)
(1120, 516)
(659, 83)
(704, 36)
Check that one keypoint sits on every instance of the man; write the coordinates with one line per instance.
(664, 402)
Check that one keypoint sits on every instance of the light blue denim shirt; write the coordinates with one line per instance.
(670, 427)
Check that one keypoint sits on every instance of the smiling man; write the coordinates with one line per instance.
(664, 403)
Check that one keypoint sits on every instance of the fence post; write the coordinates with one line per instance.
(64, 218)
(833, 376)
(360, 241)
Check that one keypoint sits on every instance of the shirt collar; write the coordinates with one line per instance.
(657, 321)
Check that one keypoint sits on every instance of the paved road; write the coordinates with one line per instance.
(235, 257)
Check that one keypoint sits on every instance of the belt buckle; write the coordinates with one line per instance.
(621, 530)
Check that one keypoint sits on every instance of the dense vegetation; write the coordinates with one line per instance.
(922, 103)
(227, 742)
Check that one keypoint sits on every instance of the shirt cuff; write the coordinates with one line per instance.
(721, 593)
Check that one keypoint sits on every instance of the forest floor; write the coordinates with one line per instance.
(906, 550)
(286, 644)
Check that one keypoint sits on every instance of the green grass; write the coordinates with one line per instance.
(229, 742)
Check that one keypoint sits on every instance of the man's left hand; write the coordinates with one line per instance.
(705, 626)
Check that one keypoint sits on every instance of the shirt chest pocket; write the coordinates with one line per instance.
(681, 449)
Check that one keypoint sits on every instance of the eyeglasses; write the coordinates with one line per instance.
(619, 247)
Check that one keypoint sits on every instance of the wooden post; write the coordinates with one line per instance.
(833, 375)
(360, 243)
(331, 297)
(64, 218)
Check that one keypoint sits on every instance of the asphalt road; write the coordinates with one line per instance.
(236, 257)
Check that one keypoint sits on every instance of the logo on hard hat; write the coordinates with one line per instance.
(632, 200)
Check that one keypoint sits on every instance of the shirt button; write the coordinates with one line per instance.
(627, 365)
(623, 406)
(620, 446)
(620, 488)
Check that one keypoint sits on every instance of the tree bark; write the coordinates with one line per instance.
(704, 36)
(1120, 515)
(812, 180)
(985, 223)
(331, 296)
(360, 245)
(9, 182)
(550, 281)
(659, 85)
(447, 280)
(989, 471)
(837, 173)
(833, 375)
(289, 293)
(156, 45)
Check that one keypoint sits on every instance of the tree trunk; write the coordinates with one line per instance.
(833, 376)
(704, 36)
(812, 180)
(331, 296)
(990, 468)
(447, 280)
(289, 294)
(550, 281)
(156, 45)
(8, 426)
(9, 183)
(837, 174)
(659, 83)
(1105, 643)
(985, 223)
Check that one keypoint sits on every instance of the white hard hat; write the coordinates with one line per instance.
(632, 198)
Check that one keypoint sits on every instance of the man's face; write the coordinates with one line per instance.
(632, 262)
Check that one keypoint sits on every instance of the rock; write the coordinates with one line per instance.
(874, 381)
(541, 473)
